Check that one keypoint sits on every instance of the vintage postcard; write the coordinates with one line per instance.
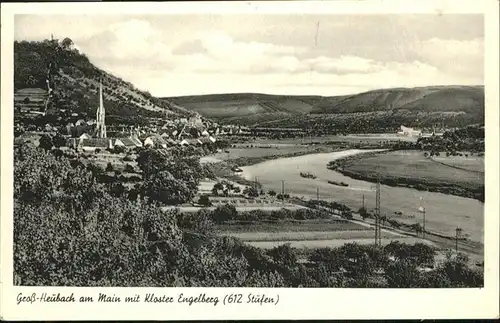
(250, 160)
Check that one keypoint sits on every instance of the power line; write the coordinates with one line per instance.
(378, 238)
(283, 192)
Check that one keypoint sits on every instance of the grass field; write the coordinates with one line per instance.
(256, 152)
(413, 165)
(295, 226)
(471, 164)
(307, 235)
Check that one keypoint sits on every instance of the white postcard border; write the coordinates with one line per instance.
(304, 303)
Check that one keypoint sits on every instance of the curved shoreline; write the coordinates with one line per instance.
(448, 211)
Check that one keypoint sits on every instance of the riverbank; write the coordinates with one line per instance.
(412, 169)
(444, 212)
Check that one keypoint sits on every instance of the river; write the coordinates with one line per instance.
(444, 213)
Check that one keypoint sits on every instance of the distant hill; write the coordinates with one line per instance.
(469, 99)
(385, 108)
(75, 83)
(246, 104)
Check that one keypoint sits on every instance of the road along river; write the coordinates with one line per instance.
(444, 213)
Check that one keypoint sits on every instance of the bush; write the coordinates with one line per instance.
(129, 168)
(224, 213)
(119, 149)
(165, 188)
(251, 191)
(363, 213)
(204, 200)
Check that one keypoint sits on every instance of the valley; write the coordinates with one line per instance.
(256, 185)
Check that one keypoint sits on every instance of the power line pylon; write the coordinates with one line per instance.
(378, 236)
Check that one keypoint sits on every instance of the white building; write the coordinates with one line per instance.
(409, 132)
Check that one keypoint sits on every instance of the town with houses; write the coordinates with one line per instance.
(92, 134)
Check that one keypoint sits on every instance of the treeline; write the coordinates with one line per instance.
(228, 213)
(367, 122)
(335, 207)
(470, 139)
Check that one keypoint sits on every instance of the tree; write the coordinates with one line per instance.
(66, 43)
(284, 255)
(224, 213)
(417, 228)
(354, 259)
(402, 274)
(251, 191)
(129, 168)
(383, 219)
(184, 168)
(363, 213)
(205, 200)
(46, 142)
(117, 189)
(218, 187)
(109, 167)
(199, 222)
(165, 188)
(272, 193)
(457, 271)
(118, 149)
(38, 174)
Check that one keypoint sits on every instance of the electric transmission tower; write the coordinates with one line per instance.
(378, 235)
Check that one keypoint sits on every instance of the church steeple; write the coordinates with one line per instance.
(101, 123)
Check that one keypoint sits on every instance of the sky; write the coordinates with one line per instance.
(174, 55)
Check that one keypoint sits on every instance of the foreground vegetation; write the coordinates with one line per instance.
(71, 230)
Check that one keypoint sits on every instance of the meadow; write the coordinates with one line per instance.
(401, 166)
(320, 225)
(263, 151)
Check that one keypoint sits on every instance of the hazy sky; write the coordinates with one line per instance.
(280, 54)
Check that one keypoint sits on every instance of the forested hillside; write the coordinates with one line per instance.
(75, 82)
(380, 110)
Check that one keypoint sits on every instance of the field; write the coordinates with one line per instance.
(317, 226)
(467, 172)
(471, 164)
(309, 233)
(253, 152)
